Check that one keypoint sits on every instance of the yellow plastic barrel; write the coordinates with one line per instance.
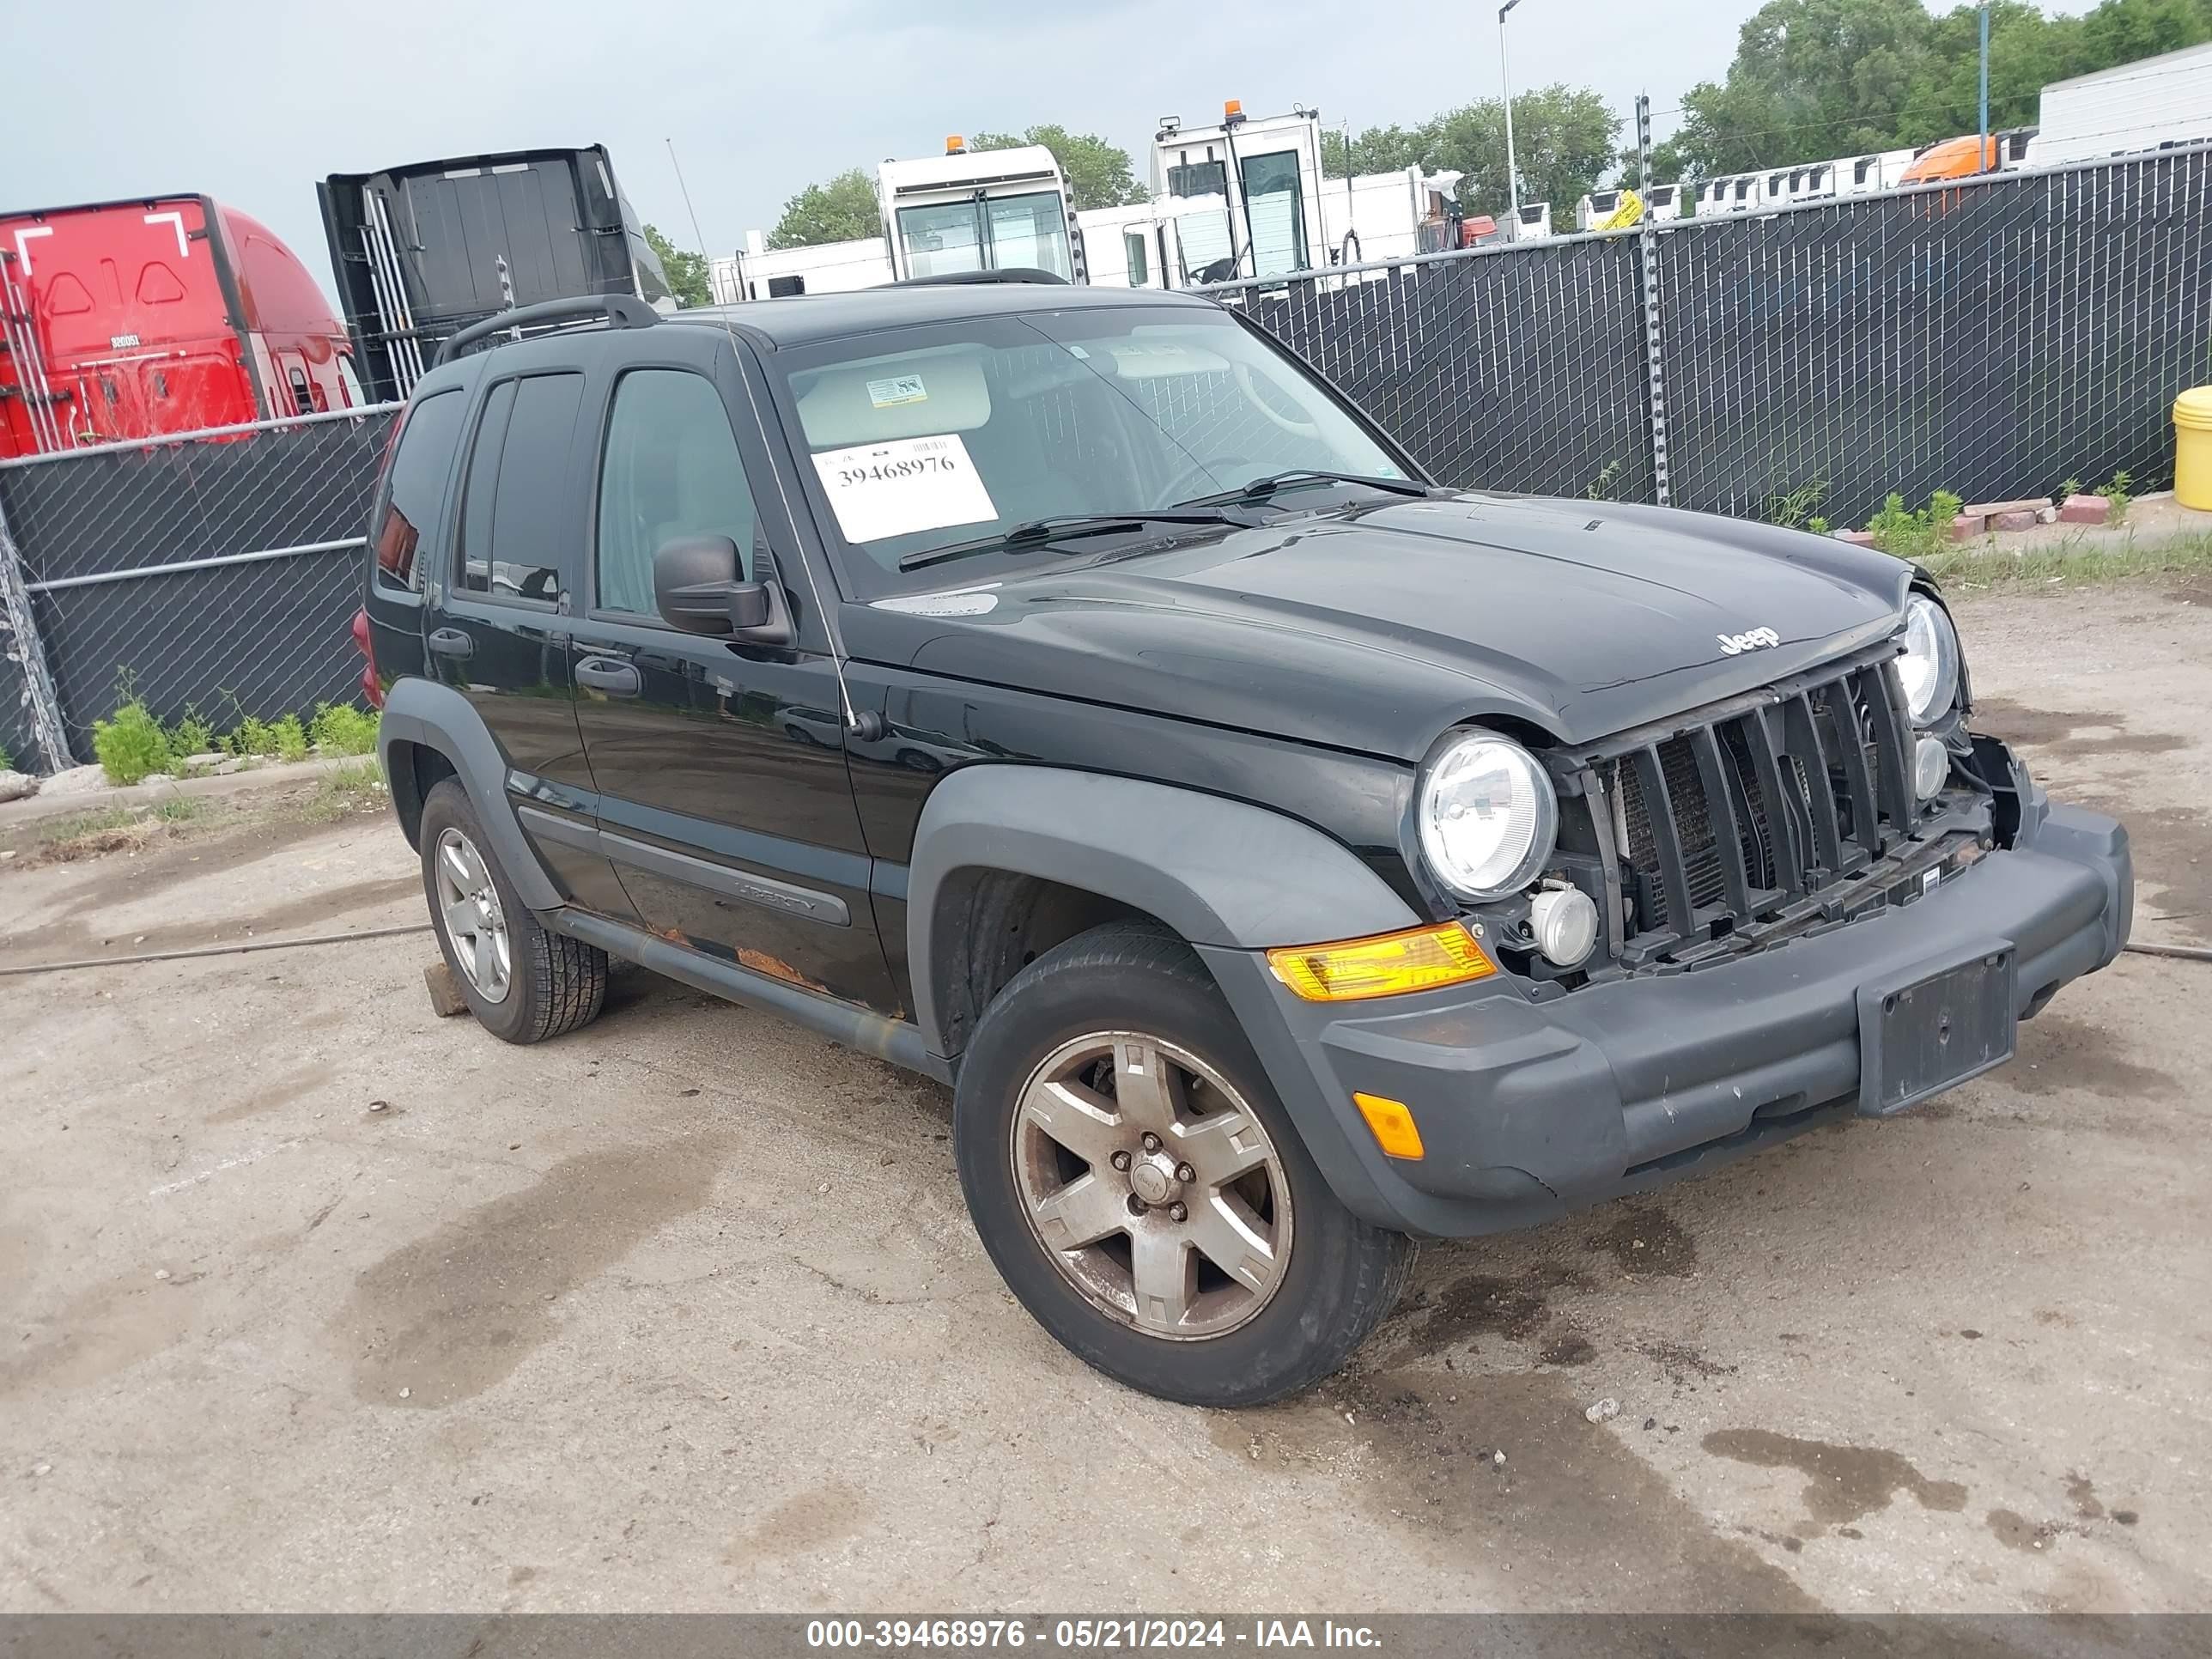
(2192, 448)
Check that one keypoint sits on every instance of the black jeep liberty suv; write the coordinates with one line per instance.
(1067, 694)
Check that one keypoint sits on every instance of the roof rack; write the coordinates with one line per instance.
(962, 278)
(620, 310)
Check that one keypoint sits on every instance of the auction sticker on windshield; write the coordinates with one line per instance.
(903, 485)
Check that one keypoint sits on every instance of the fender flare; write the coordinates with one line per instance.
(1219, 871)
(437, 717)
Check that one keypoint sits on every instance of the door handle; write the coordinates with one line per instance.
(608, 674)
(452, 642)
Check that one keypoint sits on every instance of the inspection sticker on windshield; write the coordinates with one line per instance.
(903, 485)
(897, 389)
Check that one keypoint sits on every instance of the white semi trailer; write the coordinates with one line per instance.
(2153, 103)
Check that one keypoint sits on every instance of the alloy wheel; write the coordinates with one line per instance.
(476, 925)
(1152, 1184)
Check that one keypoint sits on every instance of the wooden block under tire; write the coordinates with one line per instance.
(446, 997)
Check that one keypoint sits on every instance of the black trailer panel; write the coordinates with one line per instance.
(423, 250)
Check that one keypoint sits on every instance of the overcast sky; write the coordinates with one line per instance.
(253, 101)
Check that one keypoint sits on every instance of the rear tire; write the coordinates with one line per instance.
(522, 982)
(1241, 1278)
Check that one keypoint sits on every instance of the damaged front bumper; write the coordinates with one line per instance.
(1530, 1106)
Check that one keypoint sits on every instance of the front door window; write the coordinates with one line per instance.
(1273, 210)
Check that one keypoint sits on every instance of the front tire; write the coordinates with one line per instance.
(1143, 1192)
(522, 983)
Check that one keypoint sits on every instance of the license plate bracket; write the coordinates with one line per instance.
(1933, 1029)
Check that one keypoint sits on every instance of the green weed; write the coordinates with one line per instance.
(341, 729)
(290, 739)
(2116, 495)
(1922, 534)
(191, 735)
(130, 744)
(1794, 511)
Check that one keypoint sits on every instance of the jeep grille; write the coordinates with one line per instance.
(1731, 815)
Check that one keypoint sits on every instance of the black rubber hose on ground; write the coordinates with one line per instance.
(239, 949)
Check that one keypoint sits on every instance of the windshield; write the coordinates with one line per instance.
(926, 437)
(989, 232)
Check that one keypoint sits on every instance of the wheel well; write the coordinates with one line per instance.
(417, 769)
(991, 924)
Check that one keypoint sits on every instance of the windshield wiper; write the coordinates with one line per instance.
(1300, 477)
(1038, 532)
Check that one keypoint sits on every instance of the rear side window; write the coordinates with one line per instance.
(515, 530)
(672, 469)
(414, 483)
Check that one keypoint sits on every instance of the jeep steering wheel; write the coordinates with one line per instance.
(1296, 429)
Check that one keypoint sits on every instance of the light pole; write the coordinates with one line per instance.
(1505, 73)
(1983, 156)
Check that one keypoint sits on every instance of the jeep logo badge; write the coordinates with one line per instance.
(1734, 645)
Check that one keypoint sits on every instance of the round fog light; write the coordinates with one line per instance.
(1564, 922)
(1931, 764)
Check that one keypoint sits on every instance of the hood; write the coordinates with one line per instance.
(1374, 628)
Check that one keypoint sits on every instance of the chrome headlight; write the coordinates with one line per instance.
(1929, 666)
(1488, 817)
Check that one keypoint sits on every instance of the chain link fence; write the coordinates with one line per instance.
(216, 573)
(1993, 337)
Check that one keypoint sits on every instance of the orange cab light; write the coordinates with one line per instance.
(1391, 1124)
(1233, 108)
(955, 145)
(1388, 965)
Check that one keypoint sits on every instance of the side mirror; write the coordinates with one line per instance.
(697, 587)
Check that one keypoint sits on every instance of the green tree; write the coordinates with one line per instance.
(2121, 31)
(1378, 149)
(1563, 142)
(686, 272)
(1099, 173)
(1811, 79)
(842, 209)
(1815, 79)
(1563, 139)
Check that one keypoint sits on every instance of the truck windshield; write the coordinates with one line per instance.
(961, 431)
(987, 232)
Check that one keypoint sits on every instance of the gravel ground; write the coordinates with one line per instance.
(311, 1301)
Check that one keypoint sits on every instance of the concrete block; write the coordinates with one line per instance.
(446, 997)
(1856, 538)
(1968, 525)
(2021, 518)
(2085, 509)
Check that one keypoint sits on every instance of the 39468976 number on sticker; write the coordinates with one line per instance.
(903, 485)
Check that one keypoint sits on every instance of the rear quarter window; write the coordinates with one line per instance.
(413, 490)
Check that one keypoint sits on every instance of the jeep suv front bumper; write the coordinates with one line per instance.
(1531, 1108)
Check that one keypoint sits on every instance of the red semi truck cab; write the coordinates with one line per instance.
(130, 320)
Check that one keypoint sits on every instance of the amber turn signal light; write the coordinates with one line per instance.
(1388, 965)
(1390, 1124)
